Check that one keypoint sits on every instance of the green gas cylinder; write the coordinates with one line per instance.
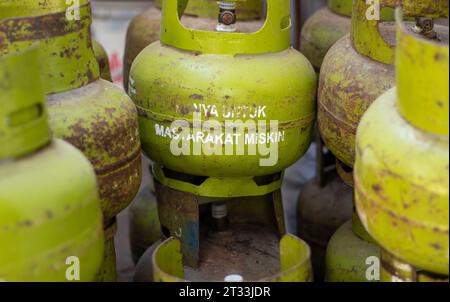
(50, 216)
(402, 158)
(356, 70)
(144, 29)
(102, 59)
(200, 80)
(324, 28)
(220, 143)
(350, 257)
(92, 114)
(351, 79)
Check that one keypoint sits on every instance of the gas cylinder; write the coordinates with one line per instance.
(324, 204)
(92, 114)
(144, 29)
(214, 64)
(324, 28)
(402, 159)
(349, 257)
(50, 215)
(102, 59)
(356, 70)
(144, 223)
(224, 183)
(352, 76)
(108, 269)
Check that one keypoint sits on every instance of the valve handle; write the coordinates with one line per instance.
(23, 117)
(274, 35)
(366, 37)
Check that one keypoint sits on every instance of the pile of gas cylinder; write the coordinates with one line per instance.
(220, 105)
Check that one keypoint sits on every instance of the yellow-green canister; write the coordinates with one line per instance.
(92, 114)
(50, 216)
(402, 155)
(324, 28)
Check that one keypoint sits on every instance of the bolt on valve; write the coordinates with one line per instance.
(227, 16)
(425, 27)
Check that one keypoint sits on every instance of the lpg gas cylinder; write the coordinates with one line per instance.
(144, 29)
(108, 270)
(324, 28)
(351, 257)
(144, 223)
(252, 129)
(50, 215)
(353, 74)
(356, 70)
(324, 204)
(92, 114)
(402, 159)
(200, 77)
(102, 59)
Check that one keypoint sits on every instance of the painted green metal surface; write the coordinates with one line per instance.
(92, 114)
(348, 84)
(108, 269)
(102, 59)
(247, 9)
(395, 270)
(274, 36)
(356, 71)
(187, 81)
(320, 32)
(26, 8)
(66, 44)
(341, 7)
(294, 254)
(366, 36)
(49, 204)
(346, 256)
(426, 89)
(101, 121)
(144, 29)
(402, 166)
(24, 126)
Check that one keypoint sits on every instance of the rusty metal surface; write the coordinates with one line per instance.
(183, 215)
(102, 59)
(320, 32)
(248, 249)
(345, 173)
(102, 122)
(294, 256)
(348, 84)
(57, 35)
